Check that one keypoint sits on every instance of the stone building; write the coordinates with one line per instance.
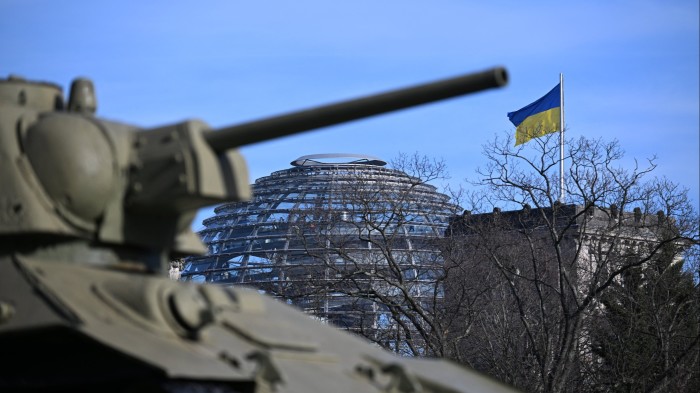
(585, 236)
(524, 284)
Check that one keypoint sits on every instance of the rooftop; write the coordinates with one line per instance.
(337, 159)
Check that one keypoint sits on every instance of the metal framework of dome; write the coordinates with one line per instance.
(329, 217)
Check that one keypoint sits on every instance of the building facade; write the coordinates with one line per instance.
(529, 284)
(586, 237)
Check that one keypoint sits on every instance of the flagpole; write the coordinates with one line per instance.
(562, 191)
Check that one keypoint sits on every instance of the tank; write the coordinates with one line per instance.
(91, 213)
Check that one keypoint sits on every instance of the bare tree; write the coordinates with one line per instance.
(532, 279)
(378, 268)
(646, 334)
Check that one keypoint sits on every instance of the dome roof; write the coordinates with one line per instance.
(327, 215)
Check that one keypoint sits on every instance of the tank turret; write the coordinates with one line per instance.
(91, 211)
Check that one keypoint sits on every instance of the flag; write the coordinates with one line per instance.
(539, 118)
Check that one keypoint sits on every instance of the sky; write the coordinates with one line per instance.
(631, 70)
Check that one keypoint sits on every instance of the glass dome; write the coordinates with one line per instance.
(338, 235)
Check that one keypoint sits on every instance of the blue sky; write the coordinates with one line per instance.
(631, 69)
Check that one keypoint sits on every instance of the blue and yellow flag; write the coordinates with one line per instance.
(539, 118)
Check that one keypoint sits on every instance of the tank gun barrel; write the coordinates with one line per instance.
(326, 115)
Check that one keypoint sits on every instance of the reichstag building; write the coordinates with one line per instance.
(341, 236)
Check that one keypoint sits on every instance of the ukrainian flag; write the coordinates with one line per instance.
(539, 118)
